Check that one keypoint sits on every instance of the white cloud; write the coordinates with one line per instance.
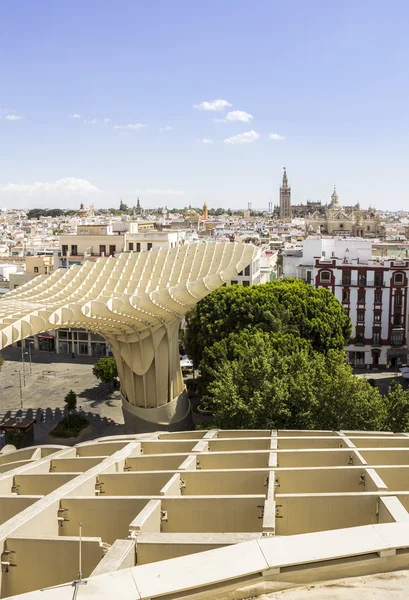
(130, 126)
(167, 128)
(74, 116)
(213, 105)
(13, 118)
(168, 192)
(106, 120)
(205, 141)
(62, 187)
(243, 138)
(91, 122)
(275, 136)
(239, 115)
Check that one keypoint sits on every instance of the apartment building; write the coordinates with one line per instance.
(90, 242)
(372, 291)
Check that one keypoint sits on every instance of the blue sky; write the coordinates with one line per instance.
(329, 77)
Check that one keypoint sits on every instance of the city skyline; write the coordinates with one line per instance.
(184, 104)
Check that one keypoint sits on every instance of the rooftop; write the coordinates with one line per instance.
(202, 513)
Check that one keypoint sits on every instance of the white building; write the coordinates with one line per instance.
(372, 291)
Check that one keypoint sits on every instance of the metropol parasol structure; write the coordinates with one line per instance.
(137, 301)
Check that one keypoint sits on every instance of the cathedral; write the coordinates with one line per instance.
(335, 219)
(329, 219)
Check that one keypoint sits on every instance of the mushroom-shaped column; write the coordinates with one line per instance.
(137, 301)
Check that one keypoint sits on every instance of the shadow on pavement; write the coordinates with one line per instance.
(46, 419)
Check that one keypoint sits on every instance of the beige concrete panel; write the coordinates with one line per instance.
(168, 447)
(257, 459)
(391, 510)
(301, 481)
(317, 458)
(239, 445)
(212, 514)
(386, 456)
(13, 505)
(309, 513)
(132, 484)
(169, 462)
(47, 561)
(18, 455)
(14, 465)
(74, 465)
(100, 449)
(243, 433)
(164, 546)
(121, 555)
(395, 477)
(172, 487)
(41, 484)
(189, 464)
(148, 520)
(104, 517)
(182, 435)
(296, 443)
(269, 516)
(305, 433)
(380, 442)
(217, 483)
(373, 482)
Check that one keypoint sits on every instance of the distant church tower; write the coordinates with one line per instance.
(285, 198)
(205, 215)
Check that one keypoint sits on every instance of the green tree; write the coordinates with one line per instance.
(260, 380)
(287, 305)
(71, 401)
(397, 408)
(105, 370)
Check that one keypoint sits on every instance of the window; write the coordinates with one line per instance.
(138, 246)
(247, 271)
(346, 279)
(360, 338)
(130, 246)
(102, 250)
(377, 317)
(361, 295)
(397, 337)
(333, 254)
(376, 341)
(325, 276)
(345, 296)
(149, 247)
(233, 282)
(35, 269)
(112, 250)
(323, 254)
(74, 250)
(308, 276)
(378, 279)
(64, 249)
(360, 317)
(398, 300)
(362, 279)
(378, 297)
(246, 283)
(240, 274)
(396, 319)
(398, 277)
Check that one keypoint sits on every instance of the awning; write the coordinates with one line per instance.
(47, 337)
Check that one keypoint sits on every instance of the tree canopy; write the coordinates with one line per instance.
(261, 380)
(287, 306)
(106, 370)
(272, 356)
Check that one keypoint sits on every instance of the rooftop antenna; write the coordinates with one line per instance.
(77, 582)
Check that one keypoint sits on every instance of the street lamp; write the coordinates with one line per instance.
(24, 364)
(30, 344)
(21, 388)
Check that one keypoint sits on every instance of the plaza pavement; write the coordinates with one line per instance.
(46, 386)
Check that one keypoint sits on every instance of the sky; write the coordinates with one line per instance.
(180, 102)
